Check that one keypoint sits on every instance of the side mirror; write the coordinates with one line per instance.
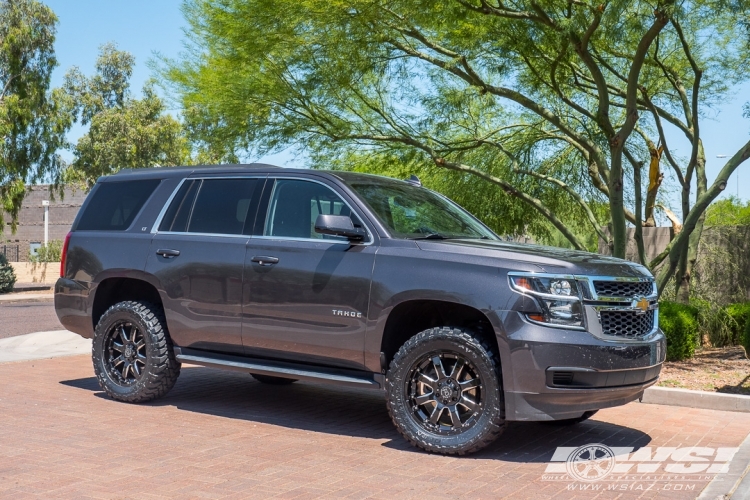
(339, 225)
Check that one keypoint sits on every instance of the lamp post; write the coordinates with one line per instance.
(45, 204)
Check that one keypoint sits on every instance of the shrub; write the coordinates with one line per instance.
(680, 325)
(746, 339)
(7, 275)
(740, 313)
(51, 252)
(714, 324)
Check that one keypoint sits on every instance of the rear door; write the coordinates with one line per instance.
(307, 294)
(198, 255)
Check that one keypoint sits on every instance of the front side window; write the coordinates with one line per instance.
(416, 213)
(212, 206)
(296, 204)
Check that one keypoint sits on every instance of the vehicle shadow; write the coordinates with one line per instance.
(357, 413)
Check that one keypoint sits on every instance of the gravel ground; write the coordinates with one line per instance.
(712, 369)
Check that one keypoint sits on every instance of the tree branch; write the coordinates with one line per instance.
(577, 197)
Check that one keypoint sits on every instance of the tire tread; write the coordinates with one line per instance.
(496, 426)
(162, 374)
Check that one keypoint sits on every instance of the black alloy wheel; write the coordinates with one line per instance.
(445, 391)
(126, 352)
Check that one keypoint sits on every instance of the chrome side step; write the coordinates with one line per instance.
(280, 369)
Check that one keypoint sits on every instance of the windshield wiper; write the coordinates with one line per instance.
(431, 236)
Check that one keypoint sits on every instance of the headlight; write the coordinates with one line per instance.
(558, 296)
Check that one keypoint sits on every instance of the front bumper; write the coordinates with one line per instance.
(553, 374)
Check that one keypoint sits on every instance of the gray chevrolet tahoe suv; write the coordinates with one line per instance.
(357, 280)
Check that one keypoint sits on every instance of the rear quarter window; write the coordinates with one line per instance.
(114, 205)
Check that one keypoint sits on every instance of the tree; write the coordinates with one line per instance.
(538, 99)
(33, 121)
(124, 132)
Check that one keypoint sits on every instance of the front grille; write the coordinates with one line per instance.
(623, 289)
(628, 324)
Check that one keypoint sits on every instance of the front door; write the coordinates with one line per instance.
(198, 256)
(306, 294)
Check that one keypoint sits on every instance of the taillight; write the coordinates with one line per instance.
(64, 255)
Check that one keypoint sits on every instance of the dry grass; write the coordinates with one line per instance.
(724, 369)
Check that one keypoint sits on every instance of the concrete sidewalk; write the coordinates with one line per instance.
(42, 345)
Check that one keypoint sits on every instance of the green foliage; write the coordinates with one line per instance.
(33, 120)
(746, 339)
(503, 214)
(52, 252)
(7, 275)
(528, 98)
(728, 212)
(124, 132)
(680, 325)
(714, 323)
(740, 317)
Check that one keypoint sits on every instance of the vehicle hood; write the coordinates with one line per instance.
(548, 259)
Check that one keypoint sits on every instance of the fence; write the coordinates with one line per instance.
(722, 268)
(11, 252)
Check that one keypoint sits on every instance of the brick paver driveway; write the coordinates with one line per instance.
(223, 435)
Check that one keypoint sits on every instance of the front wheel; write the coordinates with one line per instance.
(132, 353)
(444, 392)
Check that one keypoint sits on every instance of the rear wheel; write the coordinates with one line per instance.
(268, 379)
(132, 353)
(444, 392)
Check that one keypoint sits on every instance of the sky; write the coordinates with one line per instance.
(147, 28)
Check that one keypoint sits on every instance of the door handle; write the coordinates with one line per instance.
(167, 253)
(265, 260)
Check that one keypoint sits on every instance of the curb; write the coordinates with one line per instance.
(696, 399)
(34, 287)
(12, 298)
(736, 482)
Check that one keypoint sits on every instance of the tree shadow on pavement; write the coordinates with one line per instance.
(357, 413)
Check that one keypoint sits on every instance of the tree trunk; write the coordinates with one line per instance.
(690, 254)
(616, 205)
(638, 212)
(682, 277)
(655, 178)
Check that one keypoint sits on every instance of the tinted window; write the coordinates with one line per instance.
(296, 204)
(416, 212)
(114, 205)
(221, 206)
(176, 217)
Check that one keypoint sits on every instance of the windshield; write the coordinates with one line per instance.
(418, 213)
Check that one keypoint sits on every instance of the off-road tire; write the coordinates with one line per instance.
(572, 421)
(270, 380)
(465, 344)
(161, 368)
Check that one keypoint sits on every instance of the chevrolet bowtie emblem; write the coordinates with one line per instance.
(641, 304)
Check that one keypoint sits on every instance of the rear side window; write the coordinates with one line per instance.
(176, 217)
(214, 206)
(114, 205)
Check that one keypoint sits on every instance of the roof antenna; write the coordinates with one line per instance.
(414, 181)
